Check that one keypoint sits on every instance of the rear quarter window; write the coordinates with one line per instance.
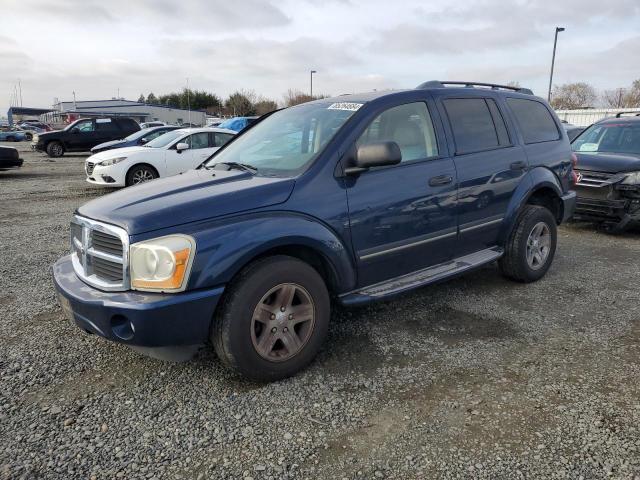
(535, 120)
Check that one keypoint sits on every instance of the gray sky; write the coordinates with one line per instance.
(96, 47)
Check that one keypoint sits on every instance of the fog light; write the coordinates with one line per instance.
(122, 327)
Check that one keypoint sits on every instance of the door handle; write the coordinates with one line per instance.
(440, 180)
(521, 165)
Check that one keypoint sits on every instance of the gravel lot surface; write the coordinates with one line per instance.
(474, 378)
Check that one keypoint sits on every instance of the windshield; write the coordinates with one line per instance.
(138, 134)
(623, 137)
(286, 142)
(165, 139)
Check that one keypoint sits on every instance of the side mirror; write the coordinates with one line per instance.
(182, 146)
(375, 155)
(143, 140)
(75, 130)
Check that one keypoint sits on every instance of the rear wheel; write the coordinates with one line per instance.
(273, 320)
(141, 174)
(530, 249)
(55, 149)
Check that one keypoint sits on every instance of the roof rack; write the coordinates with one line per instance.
(493, 86)
(619, 114)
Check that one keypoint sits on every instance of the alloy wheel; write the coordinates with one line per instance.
(141, 176)
(282, 322)
(538, 245)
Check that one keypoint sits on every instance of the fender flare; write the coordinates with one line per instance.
(223, 249)
(536, 179)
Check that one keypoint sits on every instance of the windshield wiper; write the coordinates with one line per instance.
(235, 165)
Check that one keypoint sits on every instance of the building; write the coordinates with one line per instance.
(66, 112)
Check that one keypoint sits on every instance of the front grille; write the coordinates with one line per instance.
(106, 242)
(112, 271)
(100, 254)
(588, 178)
(89, 167)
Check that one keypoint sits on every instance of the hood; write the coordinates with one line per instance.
(189, 197)
(116, 152)
(112, 143)
(608, 162)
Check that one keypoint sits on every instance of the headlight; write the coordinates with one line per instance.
(632, 178)
(162, 264)
(111, 161)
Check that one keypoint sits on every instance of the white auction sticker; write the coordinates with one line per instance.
(352, 107)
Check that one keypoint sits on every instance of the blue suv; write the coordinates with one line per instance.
(348, 200)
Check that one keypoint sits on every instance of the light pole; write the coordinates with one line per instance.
(311, 85)
(553, 60)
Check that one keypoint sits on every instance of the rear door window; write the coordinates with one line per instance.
(535, 120)
(473, 125)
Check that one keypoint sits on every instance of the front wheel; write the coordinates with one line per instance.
(531, 247)
(141, 174)
(273, 320)
(55, 149)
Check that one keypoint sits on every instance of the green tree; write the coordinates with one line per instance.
(151, 99)
(141, 98)
(239, 104)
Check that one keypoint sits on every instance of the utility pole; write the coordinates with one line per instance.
(188, 101)
(311, 84)
(553, 60)
(20, 88)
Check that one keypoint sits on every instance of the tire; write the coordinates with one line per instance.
(255, 342)
(140, 174)
(55, 149)
(28, 136)
(520, 262)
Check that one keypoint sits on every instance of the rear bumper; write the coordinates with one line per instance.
(10, 163)
(136, 318)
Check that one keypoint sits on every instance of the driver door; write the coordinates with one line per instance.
(82, 136)
(198, 151)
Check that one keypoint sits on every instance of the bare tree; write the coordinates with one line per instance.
(632, 97)
(296, 97)
(573, 95)
(614, 98)
(265, 105)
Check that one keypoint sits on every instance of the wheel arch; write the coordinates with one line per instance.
(540, 187)
(141, 164)
(224, 252)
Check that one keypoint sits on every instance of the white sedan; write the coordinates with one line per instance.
(170, 154)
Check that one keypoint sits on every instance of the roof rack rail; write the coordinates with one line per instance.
(619, 114)
(493, 86)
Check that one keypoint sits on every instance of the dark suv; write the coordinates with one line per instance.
(84, 134)
(349, 200)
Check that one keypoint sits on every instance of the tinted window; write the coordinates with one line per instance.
(623, 137)
(472, 124)
(498, 121)
(535, 121)
(409, 126)
(104, 125)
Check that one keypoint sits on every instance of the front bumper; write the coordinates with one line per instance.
(139, 319)
(606, 205)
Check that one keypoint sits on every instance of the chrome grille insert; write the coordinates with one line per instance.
(100, 254)
(588, 178)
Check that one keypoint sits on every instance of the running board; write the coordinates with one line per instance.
(426, 276)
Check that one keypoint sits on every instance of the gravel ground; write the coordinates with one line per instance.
(473, 378)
